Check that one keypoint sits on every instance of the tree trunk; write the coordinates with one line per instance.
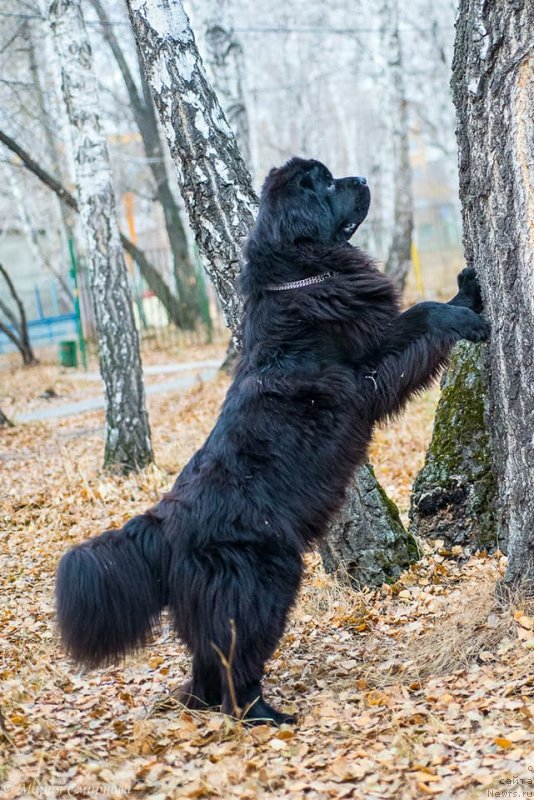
(18, 333)
(399, 259)
(65, 231)
(153, 278)
(128, 444)
(218, 194)
(454, 495)
(367, 539)
(143, 110)
(493, 88)
(213, 178)
(225, 62)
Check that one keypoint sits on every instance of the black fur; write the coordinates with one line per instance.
(321, 364)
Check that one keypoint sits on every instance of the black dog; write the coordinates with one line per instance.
(326, 354)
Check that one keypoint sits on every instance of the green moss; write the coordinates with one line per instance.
(460, 416)
(390, 506)
(458, 473)
(403, 549)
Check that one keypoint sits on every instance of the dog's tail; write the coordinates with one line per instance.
(111, 589)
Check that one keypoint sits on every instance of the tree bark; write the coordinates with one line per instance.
(454, 495)
(367, 540)
(493, 89)
(144, 113)
(65, 228)
(399, 259)
(128, 444)
(225, 62)
(212, 175)
(18, 333)
(221, 203)
(153, 278)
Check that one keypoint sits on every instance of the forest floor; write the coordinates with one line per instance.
(419, 689)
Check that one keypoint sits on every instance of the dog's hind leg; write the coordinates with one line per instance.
(230, 603)
(204, 688)
(255, 601)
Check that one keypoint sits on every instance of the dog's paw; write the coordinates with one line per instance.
(471, 326)
(470, 289)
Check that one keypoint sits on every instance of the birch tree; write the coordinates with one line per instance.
(128, 444)
(186, 308)
(493, 89)
(213, 178)
(226, 65)
(217, 191)
(398, 260)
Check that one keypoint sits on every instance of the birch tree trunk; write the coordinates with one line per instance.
(214, 181)
(398, 261)
(217, 190)
(493, 89)
(225, 62)
(187, 306)
(128, 444)
(65, 228)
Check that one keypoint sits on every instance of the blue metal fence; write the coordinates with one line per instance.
(45, 331)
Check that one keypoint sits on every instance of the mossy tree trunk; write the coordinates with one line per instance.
(367, 541)
(493, 90)
(454, 495)
(221, 203)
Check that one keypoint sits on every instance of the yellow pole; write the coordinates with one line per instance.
(416, 261)
(128, 200)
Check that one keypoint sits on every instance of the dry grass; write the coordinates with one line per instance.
(423, 688)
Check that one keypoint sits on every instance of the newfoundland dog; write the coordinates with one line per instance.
(326, 355)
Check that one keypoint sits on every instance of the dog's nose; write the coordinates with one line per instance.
(362, 181)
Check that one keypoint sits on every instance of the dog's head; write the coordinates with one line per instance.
(302, 202)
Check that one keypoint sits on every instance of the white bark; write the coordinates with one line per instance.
(398, 262)
(128, 444)
(213, 178)
(225, 61)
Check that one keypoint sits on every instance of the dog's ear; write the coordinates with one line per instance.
(304, 219)
(305, 182)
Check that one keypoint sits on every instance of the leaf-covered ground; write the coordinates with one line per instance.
(420, 689)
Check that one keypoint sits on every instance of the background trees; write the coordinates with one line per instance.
(128, 444)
